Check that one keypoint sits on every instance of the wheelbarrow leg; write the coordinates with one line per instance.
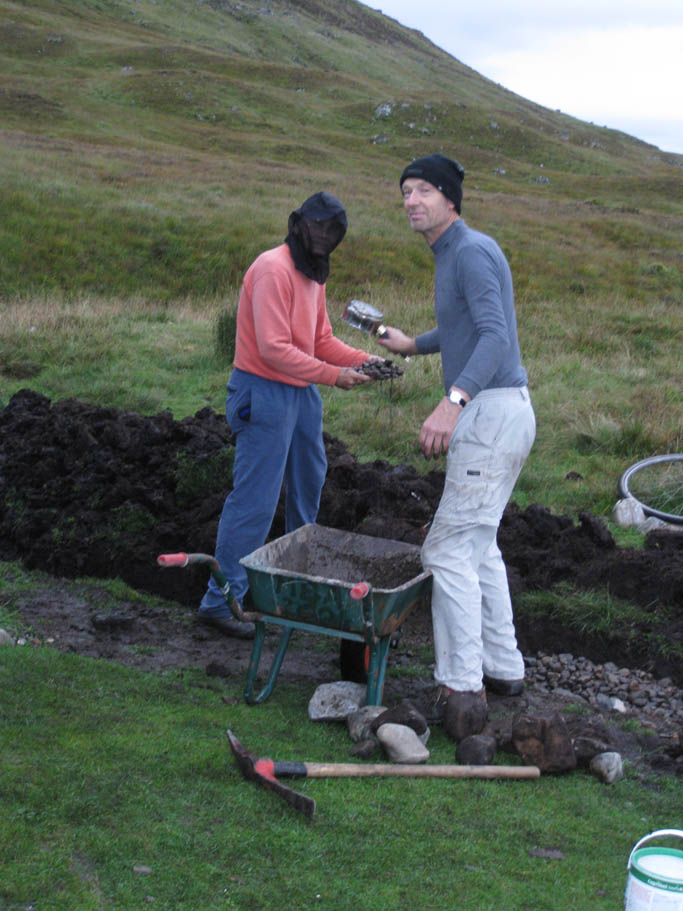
(377, 668)
(256, 657)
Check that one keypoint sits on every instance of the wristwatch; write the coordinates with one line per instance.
(455, 398)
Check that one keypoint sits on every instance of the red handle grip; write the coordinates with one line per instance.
(359, 590)
(172, 559)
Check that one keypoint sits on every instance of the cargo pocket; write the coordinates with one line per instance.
(474, 476)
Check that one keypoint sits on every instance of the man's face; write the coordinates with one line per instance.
(429, 211)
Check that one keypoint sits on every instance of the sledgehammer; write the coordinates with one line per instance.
(266, 772)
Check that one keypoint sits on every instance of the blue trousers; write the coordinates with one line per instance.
(278, 439)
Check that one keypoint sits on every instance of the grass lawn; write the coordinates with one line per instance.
(119, 790)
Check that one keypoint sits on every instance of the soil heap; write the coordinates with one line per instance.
(91, 491)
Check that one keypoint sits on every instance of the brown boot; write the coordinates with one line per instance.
(504, 687)
(433, 704)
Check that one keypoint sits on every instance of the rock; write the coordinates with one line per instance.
(336, 701)
(544, 741)
(628, 512)
(501, 730)
(547, 853)
(611, 703)
(112, 622)
(402, 744)
(589, 737)
(586, 746)
(569, 696)
(478, 749)
(5, 638)
(359, 723)
(403, 713)
(364, 749)
(608, 767)
(465, 715)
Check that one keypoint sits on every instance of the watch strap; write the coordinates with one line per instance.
(455, 398)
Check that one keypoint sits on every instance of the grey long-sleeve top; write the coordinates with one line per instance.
(476, 329)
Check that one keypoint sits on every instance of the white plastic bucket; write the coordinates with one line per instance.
(655, 875)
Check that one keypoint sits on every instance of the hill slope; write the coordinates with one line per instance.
(153, 151)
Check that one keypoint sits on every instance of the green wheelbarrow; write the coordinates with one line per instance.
(327, 581)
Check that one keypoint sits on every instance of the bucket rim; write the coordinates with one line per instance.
(659, 880)
(659, 833)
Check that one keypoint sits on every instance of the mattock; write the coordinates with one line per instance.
(267, 772)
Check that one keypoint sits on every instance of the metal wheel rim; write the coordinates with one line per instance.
(633, 470)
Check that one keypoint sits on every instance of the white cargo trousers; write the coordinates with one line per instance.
(474, 631)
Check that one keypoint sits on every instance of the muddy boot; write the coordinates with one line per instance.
(432, 705)
(504, 687)
(465, 714)
(229, 626)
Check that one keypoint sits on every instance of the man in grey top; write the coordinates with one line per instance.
(484, 424)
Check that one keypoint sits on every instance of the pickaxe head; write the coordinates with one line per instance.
(263, 772)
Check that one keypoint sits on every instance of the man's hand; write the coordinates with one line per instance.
(438, 429)
(397, 342)
(349, 377)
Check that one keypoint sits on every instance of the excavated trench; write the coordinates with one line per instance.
(90, 491)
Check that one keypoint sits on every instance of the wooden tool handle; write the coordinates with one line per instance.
(358, 770)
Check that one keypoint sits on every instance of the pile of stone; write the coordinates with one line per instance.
(542, 739)
(607, 686)
(402, 732)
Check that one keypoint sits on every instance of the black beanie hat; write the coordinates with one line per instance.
(443, 173)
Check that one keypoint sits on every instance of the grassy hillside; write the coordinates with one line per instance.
(150, 152)
(154, 151)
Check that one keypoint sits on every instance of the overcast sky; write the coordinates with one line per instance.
(616, 63)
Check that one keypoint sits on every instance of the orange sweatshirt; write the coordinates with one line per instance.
(283, 330)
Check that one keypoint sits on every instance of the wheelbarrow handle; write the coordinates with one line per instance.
(359, 591)
(182, 559)
(172, 559)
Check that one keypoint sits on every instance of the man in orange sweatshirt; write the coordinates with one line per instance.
(284, 346)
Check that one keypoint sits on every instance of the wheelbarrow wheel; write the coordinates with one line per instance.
(353, 660)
